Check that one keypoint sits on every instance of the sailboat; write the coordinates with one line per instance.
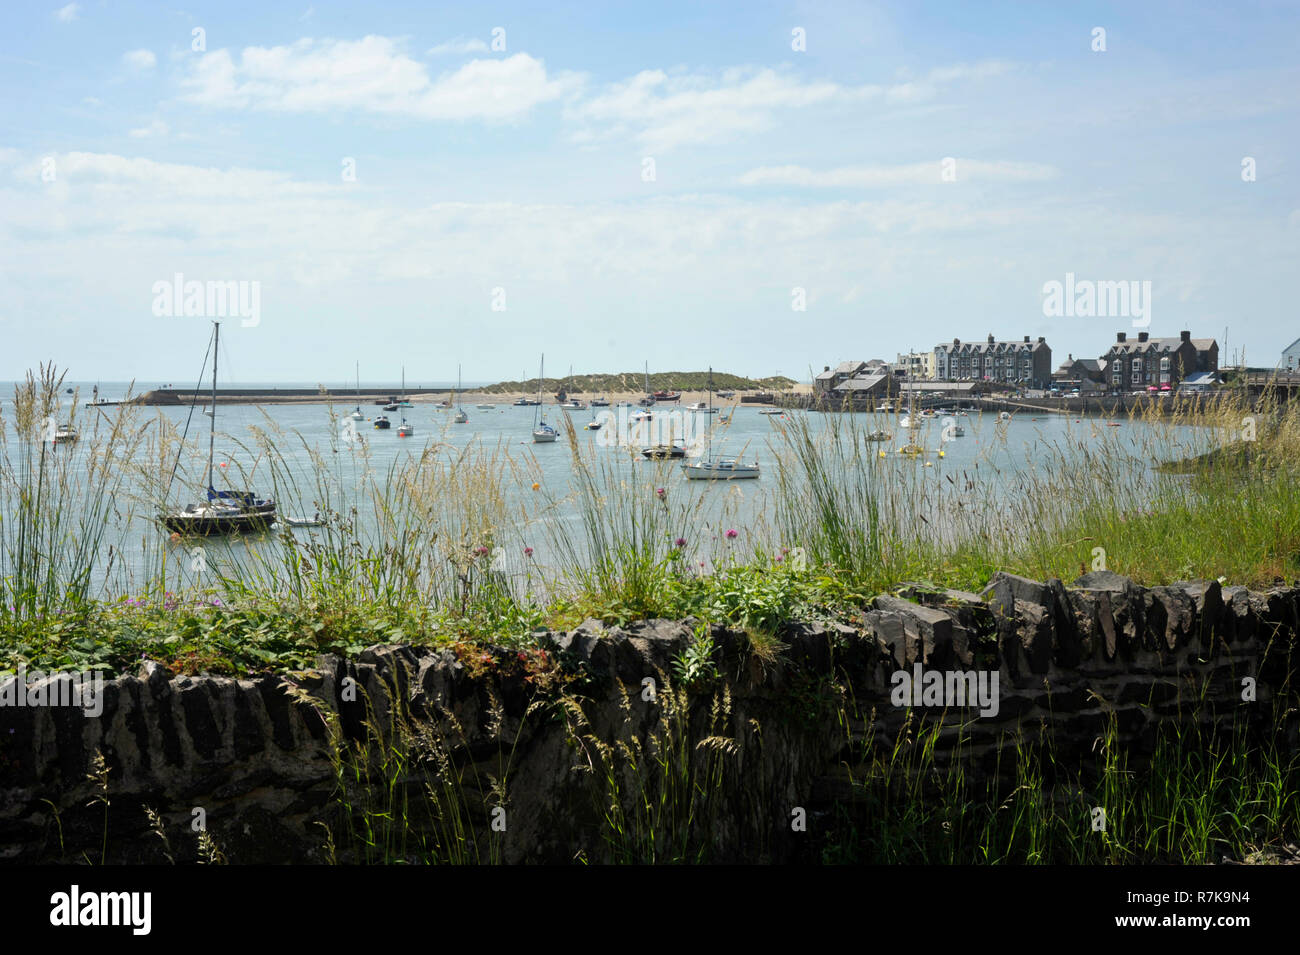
(356, 414)
(649, 398)
(543, 433)
(224, 512)
(565, 400)
(460, 417)
(404, 430)
(910, 422)
(721, 469)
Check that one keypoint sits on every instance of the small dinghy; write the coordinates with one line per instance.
(305, 521)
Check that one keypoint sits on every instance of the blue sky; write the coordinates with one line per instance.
(518, 176)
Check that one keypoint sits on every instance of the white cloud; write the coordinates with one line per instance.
(459, 45)
(877, 177)
(91, 101)
(140, 59)
(371, 75)
(155, 129)
(664, 111)
(69, 13)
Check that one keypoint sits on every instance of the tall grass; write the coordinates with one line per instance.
(473, 543)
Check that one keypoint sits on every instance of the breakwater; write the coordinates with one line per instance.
(269, 396)
(528, 748)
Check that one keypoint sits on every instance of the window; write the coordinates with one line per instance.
(1137, 371)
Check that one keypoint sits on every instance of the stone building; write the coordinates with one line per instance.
(1027, 363)
(1159, 363)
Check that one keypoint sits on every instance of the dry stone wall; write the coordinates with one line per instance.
(256, 758)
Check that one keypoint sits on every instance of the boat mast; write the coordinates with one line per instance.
(708, 418)
(541, 376)
(212, 433)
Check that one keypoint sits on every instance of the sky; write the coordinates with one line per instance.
(764, 188)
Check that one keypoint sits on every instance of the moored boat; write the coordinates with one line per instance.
(543, 433)
(224, 512)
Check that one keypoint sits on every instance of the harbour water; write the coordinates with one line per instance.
(314, 458)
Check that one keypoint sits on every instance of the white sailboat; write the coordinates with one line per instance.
(460, 417)
(543, 433)
(721, 469)
(357, 415)
(404, 430)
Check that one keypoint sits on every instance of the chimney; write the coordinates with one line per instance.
(1120, 338)
(1070, 357)
(1143, 336)
(1026, 339)
(1185, 336)
(1042, 340)
(826, 368)
(956, 341)
(990, 338)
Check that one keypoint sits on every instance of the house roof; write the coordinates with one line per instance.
(1202, 378)
(861, 383)
(842, 369)
(986, 346)
(1159, 345)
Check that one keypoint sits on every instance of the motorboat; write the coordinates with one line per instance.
(600, 402)
(702, 408)
(486, 407)
(382, 423)
(304, 521)
(880, 436)
(65, 434)
(724, 469)
(661, 452)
